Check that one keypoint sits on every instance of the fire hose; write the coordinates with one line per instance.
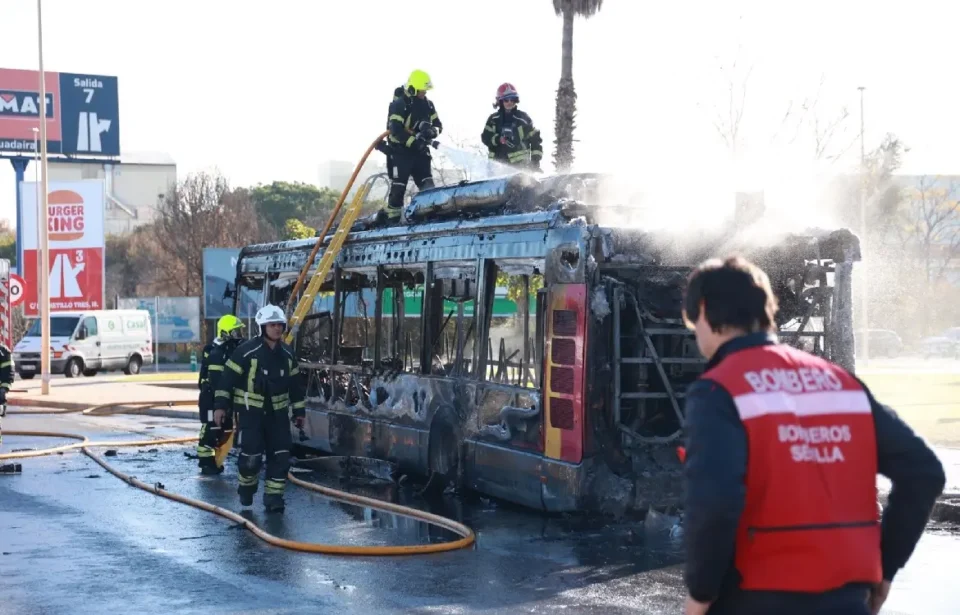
(85, 445)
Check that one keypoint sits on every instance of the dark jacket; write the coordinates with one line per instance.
(526, 137)
(715, 470)
(6, 368)
(203, 382)
(257, 377)
(403, 116)
(215, 357)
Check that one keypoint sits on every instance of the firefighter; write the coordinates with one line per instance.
(414, 124)
(6, 382)
(782, 452)
(215, 355)
(262, 382)
(510, 135)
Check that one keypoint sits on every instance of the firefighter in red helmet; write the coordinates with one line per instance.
(510, 135)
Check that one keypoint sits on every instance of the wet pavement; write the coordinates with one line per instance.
(75, 539)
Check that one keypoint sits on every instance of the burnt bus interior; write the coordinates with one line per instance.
(402, 338)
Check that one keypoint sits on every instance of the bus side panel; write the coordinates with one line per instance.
(564, 375)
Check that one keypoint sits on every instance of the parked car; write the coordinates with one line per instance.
(882, 343)
(946, 344)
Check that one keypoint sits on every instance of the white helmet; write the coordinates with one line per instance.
(270, 313)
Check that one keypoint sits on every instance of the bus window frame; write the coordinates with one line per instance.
(495, 265)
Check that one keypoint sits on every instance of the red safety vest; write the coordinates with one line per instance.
(810, 520)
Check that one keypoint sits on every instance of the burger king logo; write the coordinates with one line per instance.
(65, 219)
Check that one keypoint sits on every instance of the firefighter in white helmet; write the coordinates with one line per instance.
(262, 383)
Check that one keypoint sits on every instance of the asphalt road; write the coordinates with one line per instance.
(74, 539)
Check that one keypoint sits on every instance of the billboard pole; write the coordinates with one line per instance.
(43, 308)
(156, 333)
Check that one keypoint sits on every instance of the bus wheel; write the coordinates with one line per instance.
(441, 455)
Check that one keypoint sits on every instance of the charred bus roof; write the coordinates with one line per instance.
(518, 216)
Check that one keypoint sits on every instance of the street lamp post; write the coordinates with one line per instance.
(863, 234)
(43, 300)
(36, 187)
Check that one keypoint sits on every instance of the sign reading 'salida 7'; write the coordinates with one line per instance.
(82, 113)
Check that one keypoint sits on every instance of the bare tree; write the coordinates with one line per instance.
(727, 119)
(931, 225)
(202, 212)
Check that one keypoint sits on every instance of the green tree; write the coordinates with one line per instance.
(281, 201)
(294, 229)
(566, 94)
(8, 242)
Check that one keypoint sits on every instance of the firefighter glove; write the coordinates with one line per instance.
(535, 165)
(299, 422)
(420, 144)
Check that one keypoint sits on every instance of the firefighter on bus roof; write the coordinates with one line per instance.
(262, 382)
(215, 355)
(509, 133)
(413, 124)
(782, 454)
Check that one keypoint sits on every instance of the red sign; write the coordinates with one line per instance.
(76, 280)
(16, 289)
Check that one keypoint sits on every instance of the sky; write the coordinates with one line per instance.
(266, 91)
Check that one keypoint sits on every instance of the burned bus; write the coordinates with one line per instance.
(502, 339)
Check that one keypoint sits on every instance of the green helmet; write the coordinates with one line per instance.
(418, 81)
(227, 325)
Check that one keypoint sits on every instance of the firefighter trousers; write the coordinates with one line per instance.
(211, 437)
(263, 432)
(401, 167)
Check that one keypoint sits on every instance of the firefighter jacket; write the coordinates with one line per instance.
(203, 382)
(405, 113)
(782, 452)
(518, 127)
(6, 369)
(256, 377)
(215, 357)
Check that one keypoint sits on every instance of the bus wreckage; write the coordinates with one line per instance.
(502, 340)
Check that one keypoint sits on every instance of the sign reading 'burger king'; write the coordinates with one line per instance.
(65, 219)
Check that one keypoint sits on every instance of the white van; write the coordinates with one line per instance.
(88, 342)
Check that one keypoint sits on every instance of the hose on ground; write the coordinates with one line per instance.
(83, 443)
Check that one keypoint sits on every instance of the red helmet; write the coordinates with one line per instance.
(506, 91)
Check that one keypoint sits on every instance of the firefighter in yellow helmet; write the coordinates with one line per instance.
(215, 355)
(414, 124)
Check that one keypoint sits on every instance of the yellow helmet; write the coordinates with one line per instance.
(418, 81)
(228, 324)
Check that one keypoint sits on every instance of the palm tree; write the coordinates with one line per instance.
(566, 94)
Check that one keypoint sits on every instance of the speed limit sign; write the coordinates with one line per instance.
(17, 286)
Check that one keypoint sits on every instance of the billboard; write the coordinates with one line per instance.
(75, 239)
(82, 112)
(177, 318)
(220, 269)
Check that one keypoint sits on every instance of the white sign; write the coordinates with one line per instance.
(178, 321)
(74, 214)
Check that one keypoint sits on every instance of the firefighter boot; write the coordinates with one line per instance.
(208, 466)
(273, 502)
(246, 495)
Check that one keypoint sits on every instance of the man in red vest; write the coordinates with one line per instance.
(781, 460)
